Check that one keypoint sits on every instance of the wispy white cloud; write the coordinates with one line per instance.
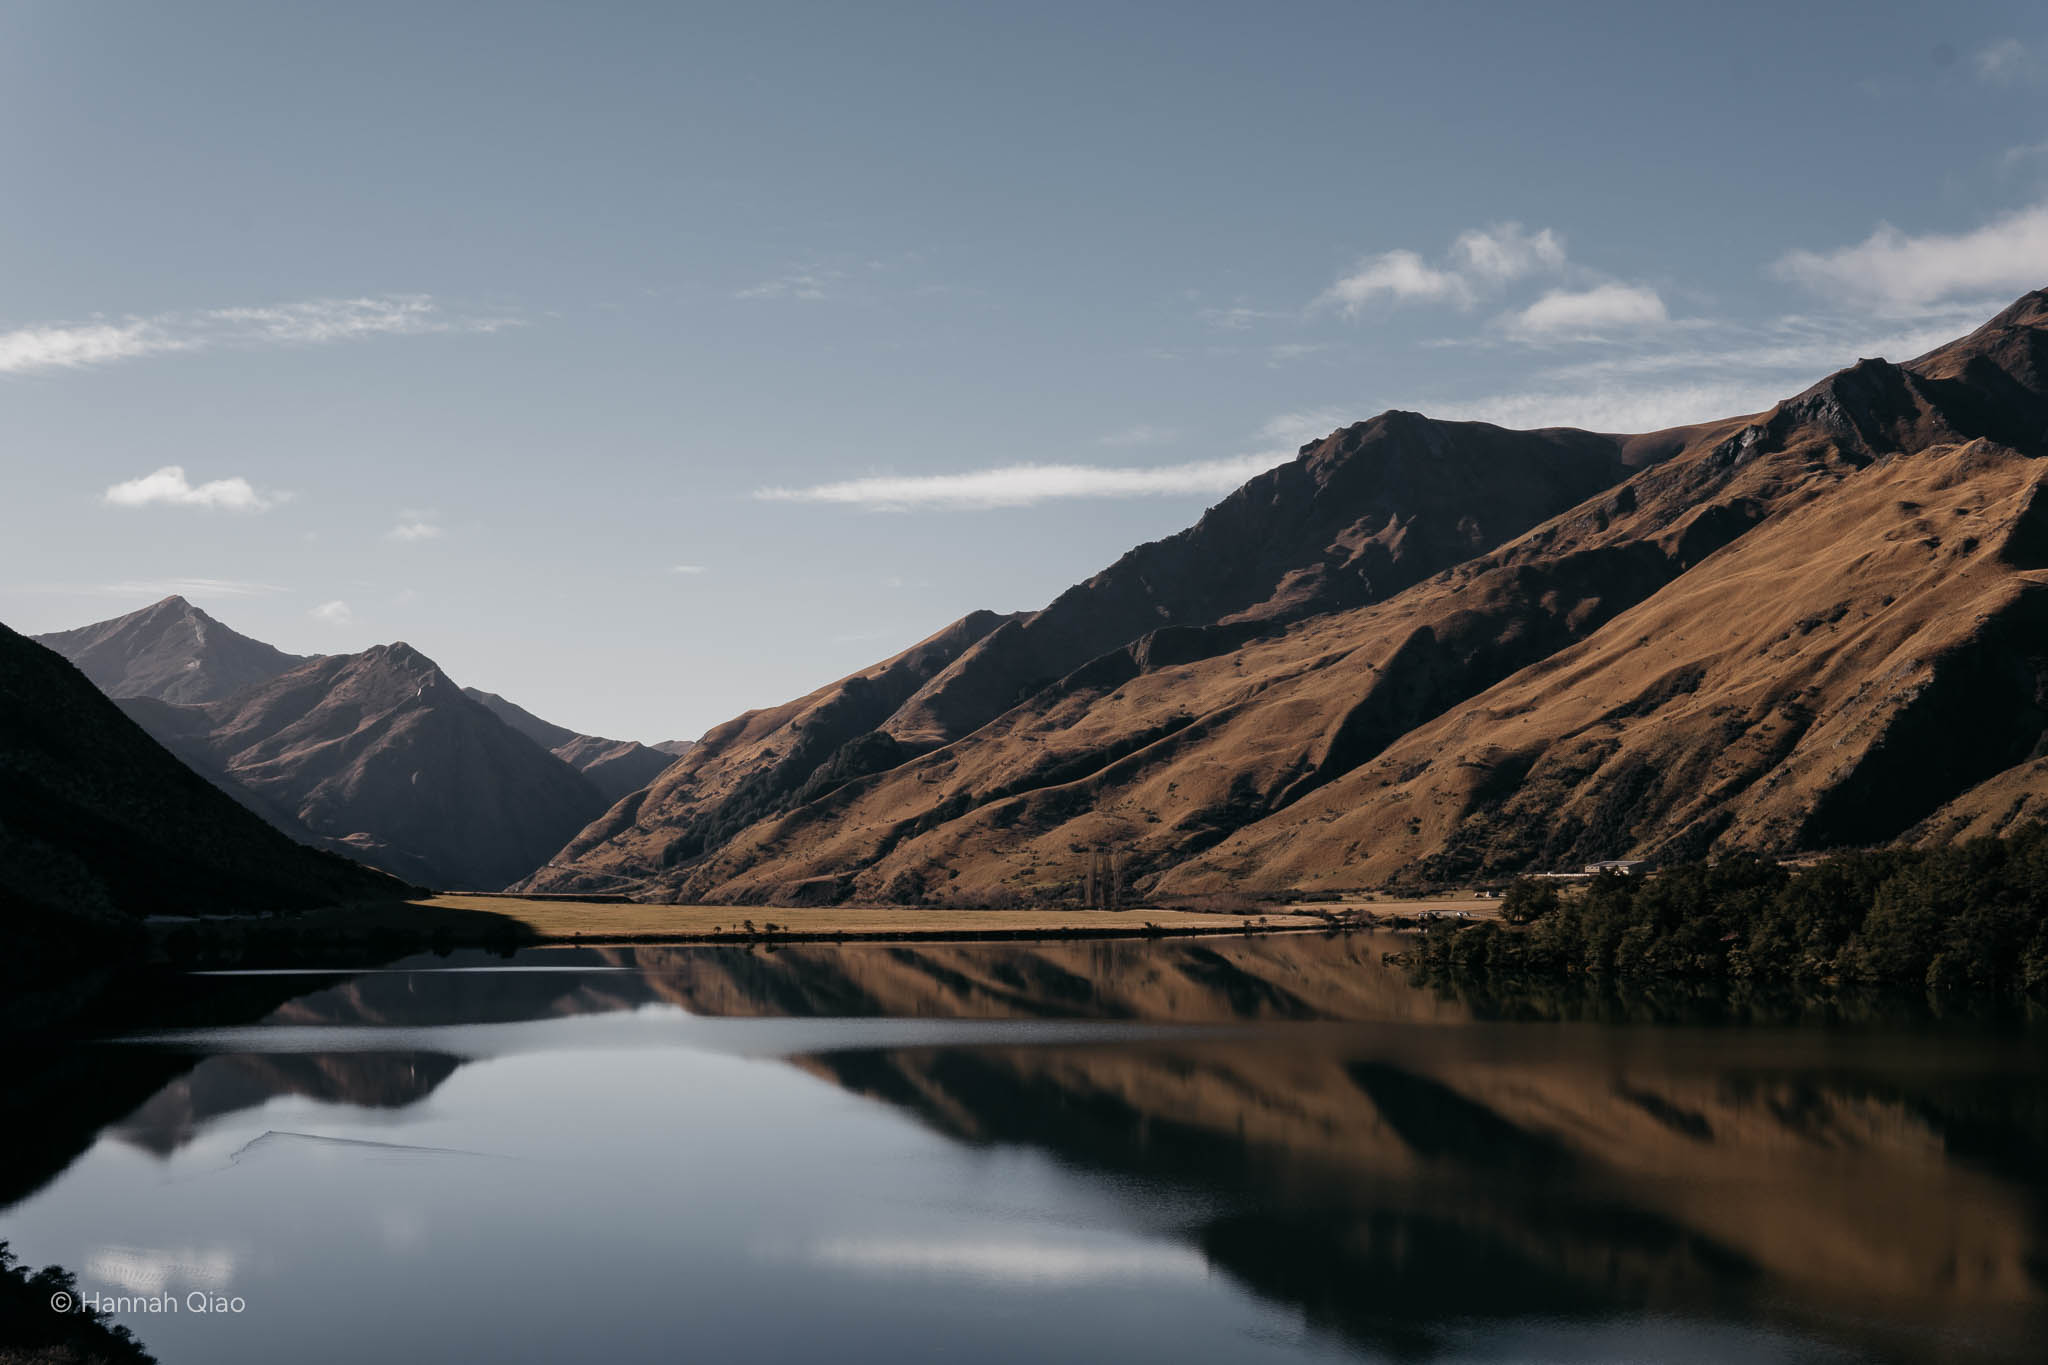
(1144, 434)
(60, 347)
(803, 282)
(316, 321)
(414, 530)
(1795, 348)
(170, 487)
(1579, 314)
(1023, 485)
(333, 613)
(57, 346)
(1287, 351)
(2005, 62)
(1236, 319)
(1898, 274)
(691, 569)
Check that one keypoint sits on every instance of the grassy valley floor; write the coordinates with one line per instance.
(500, 920)
(555, 919)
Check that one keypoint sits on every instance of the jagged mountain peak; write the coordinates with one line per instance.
(399, 654)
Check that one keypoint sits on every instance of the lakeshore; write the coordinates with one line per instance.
(469, 919)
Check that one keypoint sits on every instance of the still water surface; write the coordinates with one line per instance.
(1269, 1149)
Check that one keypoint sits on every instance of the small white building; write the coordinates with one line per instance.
(1627, 867)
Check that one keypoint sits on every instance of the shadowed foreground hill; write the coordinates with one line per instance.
(1429, 650)
(171, 651)
(380, 755)
(99, 825)
(616, 767)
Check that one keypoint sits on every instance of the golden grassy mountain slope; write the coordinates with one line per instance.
(762, 762)
(1807, 628)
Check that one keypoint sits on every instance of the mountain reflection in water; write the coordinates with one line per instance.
(1408, 1179)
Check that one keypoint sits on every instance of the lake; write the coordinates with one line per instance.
(1245, 1149)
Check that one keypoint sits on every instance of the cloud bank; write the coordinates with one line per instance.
(1899, 274)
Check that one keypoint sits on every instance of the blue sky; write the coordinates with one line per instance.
(650, 363)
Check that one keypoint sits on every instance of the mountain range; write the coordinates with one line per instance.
(1420, 652)
(376, 755)
(1427, 651)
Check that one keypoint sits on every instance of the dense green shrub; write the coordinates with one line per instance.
(1528, 900)
(1971, 916)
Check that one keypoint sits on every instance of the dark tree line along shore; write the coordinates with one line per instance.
(1972, 916)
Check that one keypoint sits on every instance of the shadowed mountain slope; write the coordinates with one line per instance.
(171, 651)
(616, 767)
(99, 825)
(380, 754)
(1811, 627)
